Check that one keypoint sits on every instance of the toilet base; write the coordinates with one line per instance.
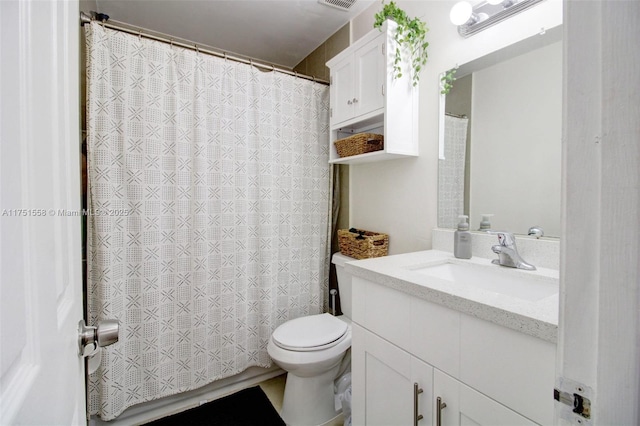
(309, 400)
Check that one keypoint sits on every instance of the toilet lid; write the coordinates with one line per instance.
(314, 332)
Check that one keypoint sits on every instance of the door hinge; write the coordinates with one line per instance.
(330, 112)
(330, 80)
(382, 49)
(383, 90)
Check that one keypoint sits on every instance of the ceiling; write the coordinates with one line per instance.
(280, 32)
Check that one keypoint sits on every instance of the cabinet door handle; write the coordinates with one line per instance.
(349, 102)
(355, 101)
(416, 391)
(439, 406)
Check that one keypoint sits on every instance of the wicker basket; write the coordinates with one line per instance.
(362, 244)
(360, 143)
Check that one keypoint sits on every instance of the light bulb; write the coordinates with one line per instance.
(494, 1)
(460, 13)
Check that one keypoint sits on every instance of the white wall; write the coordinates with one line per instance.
(399, 197)
(516, 131)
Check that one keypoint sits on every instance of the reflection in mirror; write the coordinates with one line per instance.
(502, 139)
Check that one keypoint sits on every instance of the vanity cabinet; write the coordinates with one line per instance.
(365, 97)
(486, 374)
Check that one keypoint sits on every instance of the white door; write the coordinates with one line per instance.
(599, 331)
(41, 375)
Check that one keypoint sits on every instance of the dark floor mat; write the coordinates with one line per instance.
(249, 407)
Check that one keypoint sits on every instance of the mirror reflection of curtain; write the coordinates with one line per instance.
(451, 172)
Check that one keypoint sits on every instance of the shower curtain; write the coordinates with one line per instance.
(209, 196)
(451, 172)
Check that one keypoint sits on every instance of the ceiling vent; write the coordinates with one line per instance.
(338, 4)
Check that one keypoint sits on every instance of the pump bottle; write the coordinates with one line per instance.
(485, 223)
(462, 239)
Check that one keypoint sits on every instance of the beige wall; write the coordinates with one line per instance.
(399, 197)
(314, 64)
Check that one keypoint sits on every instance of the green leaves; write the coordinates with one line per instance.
(410, 32)
(447, 80)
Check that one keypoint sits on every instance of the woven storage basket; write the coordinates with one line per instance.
(360, 143)
(362, 244)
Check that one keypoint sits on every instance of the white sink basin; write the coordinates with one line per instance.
(512, 282)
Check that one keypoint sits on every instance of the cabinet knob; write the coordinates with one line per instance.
(349, 102)
(355, 100)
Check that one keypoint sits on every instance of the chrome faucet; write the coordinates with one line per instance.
(508, 252)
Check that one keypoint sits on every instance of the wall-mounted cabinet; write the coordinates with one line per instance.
(365, 97)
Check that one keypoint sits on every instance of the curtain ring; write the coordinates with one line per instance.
(225, 56)
(197, 49)
(139, 34)
(273, 68)
(314, 78)
(171, 43)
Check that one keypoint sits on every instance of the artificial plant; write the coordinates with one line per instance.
(411, 34)
(447, 80)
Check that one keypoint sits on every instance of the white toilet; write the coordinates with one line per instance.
(314, 350)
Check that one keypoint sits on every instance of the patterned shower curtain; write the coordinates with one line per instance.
(209, 199)
(451, 172)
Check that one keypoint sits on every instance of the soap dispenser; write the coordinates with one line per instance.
(462, 239)
(485, 224)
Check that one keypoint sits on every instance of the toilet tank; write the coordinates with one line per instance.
(344, 282)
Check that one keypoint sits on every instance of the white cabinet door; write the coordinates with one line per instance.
(342, 89)
(369, 77)
(41, 374)
(357, 82)
(383, 383)
(468, 407)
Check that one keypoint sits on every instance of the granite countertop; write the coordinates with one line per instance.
(537, 317)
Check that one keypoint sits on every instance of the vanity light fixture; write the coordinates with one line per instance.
(471, 19)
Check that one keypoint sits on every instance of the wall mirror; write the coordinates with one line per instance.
(500, 139)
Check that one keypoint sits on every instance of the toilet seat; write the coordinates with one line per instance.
(310, 333)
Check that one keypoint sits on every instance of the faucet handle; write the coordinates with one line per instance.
(536, 231)
(505, 239)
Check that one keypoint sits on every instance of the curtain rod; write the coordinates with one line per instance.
(101, 18)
